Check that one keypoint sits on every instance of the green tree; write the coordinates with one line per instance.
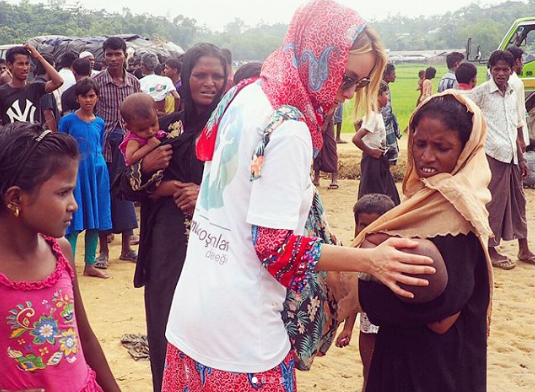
(451, 30)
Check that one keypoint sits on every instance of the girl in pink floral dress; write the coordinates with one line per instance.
(43, 324)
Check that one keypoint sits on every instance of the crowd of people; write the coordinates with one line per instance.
(240, 270)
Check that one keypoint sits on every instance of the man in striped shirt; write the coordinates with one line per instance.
(449, 80)
(115, 84)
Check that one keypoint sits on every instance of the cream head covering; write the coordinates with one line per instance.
(85, 54)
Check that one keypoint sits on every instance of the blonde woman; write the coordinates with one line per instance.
(257, 223)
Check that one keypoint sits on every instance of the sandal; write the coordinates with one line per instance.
(528, 260)
(334, 186)
(134, 239)
(130, 256)
(506, 264)
(102, 262)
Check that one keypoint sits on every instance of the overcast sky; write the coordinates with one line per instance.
(216, 13)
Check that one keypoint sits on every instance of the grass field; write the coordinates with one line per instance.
(404, 94)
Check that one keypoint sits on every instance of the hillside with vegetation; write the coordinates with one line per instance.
(486, 25)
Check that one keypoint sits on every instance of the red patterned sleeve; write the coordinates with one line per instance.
(289, 258)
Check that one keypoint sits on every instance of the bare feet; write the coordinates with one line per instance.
(90, 270)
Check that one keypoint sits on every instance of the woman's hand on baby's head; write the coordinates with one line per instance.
(157, 159)
(389, 265)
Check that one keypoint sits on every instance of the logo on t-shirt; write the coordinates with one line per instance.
(158, 88)
(15, 113)
(225, 162)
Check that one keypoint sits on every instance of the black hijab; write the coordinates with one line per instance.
(184, 165)
(161, 219)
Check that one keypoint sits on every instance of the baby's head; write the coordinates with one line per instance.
(369, 208)
(139, 114)
(437, 281)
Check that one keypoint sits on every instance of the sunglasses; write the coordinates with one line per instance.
(351, 81)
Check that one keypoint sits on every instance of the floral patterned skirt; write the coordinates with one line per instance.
(183, 374)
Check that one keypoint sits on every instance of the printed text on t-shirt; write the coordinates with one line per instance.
(217, 246)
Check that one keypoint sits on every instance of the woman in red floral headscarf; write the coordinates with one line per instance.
(258, 228)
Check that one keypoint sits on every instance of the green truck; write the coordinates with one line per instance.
(522, 35)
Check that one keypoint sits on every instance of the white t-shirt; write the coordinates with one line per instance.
(376, 135)
(156, 86)
(68, 78)
(226, 310)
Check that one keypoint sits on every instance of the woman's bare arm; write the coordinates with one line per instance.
(385, 262)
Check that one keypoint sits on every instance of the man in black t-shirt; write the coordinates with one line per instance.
(19, 100)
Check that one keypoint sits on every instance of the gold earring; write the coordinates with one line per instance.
(15, 209)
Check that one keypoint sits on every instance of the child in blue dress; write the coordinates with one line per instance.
(92, 191)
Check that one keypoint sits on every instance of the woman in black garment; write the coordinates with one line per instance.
(165, 220)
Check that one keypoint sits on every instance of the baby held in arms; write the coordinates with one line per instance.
(141, 121)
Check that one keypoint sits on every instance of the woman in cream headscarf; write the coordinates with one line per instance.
(439, 345)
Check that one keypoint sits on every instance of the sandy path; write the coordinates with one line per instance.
(116, 308)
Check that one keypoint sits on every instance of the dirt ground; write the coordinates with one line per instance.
(116, 308)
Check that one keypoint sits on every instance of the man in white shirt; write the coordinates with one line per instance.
(504, 147)
(65, 72)
(157, 86)
(518, 87)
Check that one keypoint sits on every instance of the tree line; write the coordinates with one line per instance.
(486, 26)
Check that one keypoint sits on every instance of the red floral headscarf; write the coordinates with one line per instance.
(306, 71)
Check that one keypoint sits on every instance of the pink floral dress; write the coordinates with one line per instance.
(39, 342)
